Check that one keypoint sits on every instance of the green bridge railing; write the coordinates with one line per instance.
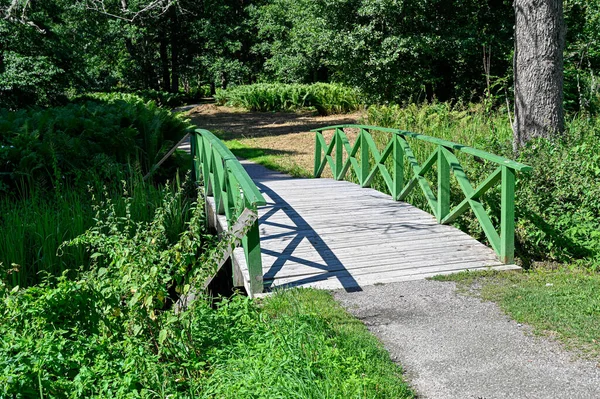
(233, 191)
(366, 161)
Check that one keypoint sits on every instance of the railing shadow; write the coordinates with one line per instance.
(299, 232)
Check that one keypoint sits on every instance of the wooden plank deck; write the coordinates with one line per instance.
(336, 235)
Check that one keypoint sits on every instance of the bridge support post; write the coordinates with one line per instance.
(507, 216)
(443, 200)
(398, 168)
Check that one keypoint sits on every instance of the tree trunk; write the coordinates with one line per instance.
(538, 69)
(174, 50)
(164, 61)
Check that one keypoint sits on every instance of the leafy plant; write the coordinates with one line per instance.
(74, 144)
(325, 98)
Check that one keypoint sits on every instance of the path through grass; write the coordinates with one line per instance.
(558, 303)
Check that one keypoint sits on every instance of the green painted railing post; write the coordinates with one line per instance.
(364, 158)
(443, 201)
(339, 155)
(194, 153)
(507, 216)
(318, 151)
(398, 167)
(251, 245)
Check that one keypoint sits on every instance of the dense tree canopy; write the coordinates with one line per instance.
(392, 50)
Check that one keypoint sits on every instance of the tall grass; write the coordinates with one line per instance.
(326, 98)
(34, 228)
(52, 161)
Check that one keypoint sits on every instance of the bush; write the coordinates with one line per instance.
(77, 143)
(161, 98)
(326, 98)
(103, 334)
(35, 227)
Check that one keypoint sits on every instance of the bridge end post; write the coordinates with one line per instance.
(251, 245)
(443, 200)
(507, 216)
(398, 168)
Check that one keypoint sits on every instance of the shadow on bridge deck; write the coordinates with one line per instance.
(336, 235)
(298, 231)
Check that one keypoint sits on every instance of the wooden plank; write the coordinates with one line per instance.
(369, 263)
(375, 276)
(306, 248)
(352, 283)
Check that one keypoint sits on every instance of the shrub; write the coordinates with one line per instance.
(74, 144)
(35, 227)
(161, 98)
(326, 98)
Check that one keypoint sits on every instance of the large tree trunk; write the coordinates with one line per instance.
(538, 69)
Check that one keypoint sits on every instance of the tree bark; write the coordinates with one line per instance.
(538, 69)
(174, 50)
(164, 61)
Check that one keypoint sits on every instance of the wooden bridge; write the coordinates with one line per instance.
(332, 233)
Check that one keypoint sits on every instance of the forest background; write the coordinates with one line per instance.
(392, 51)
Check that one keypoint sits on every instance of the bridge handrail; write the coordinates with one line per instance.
(226, 180)
(434, 140)
(399, 150)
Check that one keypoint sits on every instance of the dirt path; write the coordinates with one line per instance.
(239, 124)
(284, 134)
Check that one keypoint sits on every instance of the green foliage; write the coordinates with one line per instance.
(105, 333)
(163, 99)
(582, 56)
(557, 211)
(112, 332)
(307, 346)
(559, 216)
(91, 344)
(390, 50)
(72, 145)
(35, 227)
(325, 98)
(52, 159)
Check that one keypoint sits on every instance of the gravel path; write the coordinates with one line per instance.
(456, 346)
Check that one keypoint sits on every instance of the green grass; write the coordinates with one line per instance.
(308, 347)
(272, 159)
(93, 343)
(563, 303)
